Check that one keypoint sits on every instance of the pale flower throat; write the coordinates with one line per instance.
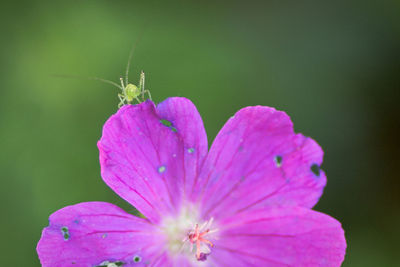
(189, 235)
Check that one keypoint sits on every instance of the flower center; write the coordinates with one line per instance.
(185, 236)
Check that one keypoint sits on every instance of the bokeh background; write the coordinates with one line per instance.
(333, 66)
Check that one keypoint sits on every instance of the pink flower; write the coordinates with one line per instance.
(246, 202)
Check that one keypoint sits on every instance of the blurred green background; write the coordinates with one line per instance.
(333, 66)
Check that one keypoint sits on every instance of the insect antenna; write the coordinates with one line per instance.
(87, 78)
(129, 62)
(131, 54)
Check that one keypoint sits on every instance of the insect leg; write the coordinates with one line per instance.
(122, 85)
(121, 100)
(138, 100)
(141, 84)
(148, 92)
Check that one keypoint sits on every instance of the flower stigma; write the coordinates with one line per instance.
(187, 234)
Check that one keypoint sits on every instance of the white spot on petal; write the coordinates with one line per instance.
(161, 169)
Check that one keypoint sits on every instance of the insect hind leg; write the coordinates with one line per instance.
(148, 93)
(122, 100)
(141, 84)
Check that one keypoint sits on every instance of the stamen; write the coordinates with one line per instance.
(197, 237)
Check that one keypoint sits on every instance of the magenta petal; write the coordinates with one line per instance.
(187, 120)
(150, 156)
(91, 233)
(280, 237)
(257, 161)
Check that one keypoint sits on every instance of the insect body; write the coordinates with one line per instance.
(131, 92)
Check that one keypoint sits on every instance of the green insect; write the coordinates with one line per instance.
(129, 92)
